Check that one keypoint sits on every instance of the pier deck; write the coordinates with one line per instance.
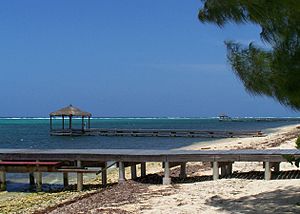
(157, 133)
(130, 158)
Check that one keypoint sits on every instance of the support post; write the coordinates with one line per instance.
(51, 125)
(229, 169)
(89, 122)
(31, 179)
(143, 169)
(182, 170)
(82, 123)
(79, 177)
(223, 171)
(121, 173)
(166, 178)
(104, 175)
(133, 171)
(39, 181)
(215, 170)
(70, 122)
(2, 181)
(66, 179)
(63, 122)
(267, 170)
(276, 166)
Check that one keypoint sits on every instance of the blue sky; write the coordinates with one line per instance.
(121, 58)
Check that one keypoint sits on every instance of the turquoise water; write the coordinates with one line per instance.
(34, 133)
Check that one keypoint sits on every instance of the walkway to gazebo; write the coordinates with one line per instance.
(70, 112)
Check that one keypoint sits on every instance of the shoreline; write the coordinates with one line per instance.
(275, 136)
(281, 137)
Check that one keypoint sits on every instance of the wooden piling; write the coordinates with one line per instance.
(133, 171)
(223, 171)
(166, 178)
(229, 169)
(104, 174)
(182, 170)
(2, 181)
(121, 173)
(79, 177)
(39, 181)
(66, 179)
(276, 166)
(31, 179)
(215, 170)
(143, 169)
(267, 170)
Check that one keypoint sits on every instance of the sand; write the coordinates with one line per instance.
(198, 194)
(232, 195)
(274, 138)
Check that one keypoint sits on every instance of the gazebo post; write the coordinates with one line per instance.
(50, 122)
(70, 122)
(63, 122)
(67, 114)
(82, 123)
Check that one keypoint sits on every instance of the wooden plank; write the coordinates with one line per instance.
(76, 170)
(16, 163)
(157, 132)
(28, 169)
(145, 155)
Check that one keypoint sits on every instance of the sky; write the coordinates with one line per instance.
(117, 58)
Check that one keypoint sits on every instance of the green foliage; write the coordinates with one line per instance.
(298, 143)
(274, 71)
(291, 159)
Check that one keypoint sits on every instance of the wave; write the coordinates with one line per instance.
(149, 118)
(24, 118)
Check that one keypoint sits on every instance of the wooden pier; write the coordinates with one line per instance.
(156, 133)
(70, 112)
(79, 161)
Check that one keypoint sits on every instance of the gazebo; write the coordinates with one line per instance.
(70, 112)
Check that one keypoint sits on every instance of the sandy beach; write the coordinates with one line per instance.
(196, 194)
(149, 107)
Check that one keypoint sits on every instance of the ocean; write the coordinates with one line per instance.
(33, 133)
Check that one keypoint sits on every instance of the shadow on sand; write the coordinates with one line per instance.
(252, 175)
(277, 201)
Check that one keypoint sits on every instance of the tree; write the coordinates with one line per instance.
(274, 70)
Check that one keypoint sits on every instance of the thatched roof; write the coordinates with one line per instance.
(70, 111)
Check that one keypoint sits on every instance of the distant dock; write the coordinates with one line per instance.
(68, 129)
(190, 133)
